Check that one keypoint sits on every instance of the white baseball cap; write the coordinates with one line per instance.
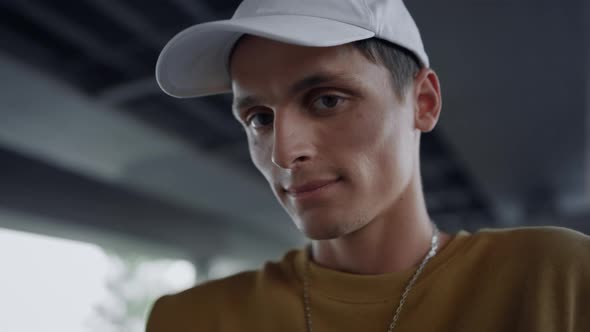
(195, 62)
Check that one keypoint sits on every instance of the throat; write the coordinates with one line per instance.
(377, 251)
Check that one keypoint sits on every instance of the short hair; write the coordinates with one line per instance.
(402, 64)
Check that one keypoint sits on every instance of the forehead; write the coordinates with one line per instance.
(260, 66)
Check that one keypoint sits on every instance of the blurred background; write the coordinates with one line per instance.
(113, 193)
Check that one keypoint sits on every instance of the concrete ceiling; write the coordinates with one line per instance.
(515, 83)
(511, 147)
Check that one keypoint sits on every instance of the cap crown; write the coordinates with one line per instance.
(388, 19)
(352, 12)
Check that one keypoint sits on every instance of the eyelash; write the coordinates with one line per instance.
(339, 98)
(248, 118)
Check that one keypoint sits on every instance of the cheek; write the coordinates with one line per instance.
(260, 156)
(370, 132)
(376, 142)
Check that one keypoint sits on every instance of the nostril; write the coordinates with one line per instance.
(301, 159)
(290, 149)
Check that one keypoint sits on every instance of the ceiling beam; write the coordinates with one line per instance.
(74, 34)
(197, 9)
(35, 188)
(24, 48)
(204, 113)
(127, 91)
(132, 21)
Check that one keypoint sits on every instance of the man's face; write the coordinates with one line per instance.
(326, 129)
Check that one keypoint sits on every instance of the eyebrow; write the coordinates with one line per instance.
(300, 85)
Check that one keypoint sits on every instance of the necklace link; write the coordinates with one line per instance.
(431, 253)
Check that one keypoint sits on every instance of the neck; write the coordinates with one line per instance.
(394, 241)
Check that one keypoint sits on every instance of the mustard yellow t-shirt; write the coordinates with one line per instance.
(522, 279)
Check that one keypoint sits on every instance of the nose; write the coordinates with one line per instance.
(293, 140)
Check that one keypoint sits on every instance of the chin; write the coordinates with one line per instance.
(322, 234)
(327, 228)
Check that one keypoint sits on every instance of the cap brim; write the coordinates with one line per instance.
(194, 62)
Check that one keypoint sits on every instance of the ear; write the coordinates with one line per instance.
(428, 101)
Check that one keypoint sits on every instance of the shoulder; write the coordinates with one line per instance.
(537, 243)
(544, 236)
(234, 286)
(200, 305)
(197, 306)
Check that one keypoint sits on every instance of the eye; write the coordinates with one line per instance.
(327, 102)
(259, 119)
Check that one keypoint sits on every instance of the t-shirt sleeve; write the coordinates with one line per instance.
(582, 289)
(572, 250)
(160, 316)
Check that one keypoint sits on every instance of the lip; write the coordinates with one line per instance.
(310, 188)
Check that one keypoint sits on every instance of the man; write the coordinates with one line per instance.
(333, 96)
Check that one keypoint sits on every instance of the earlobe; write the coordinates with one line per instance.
(428, 101)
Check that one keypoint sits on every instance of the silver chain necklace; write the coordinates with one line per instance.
(402, 301)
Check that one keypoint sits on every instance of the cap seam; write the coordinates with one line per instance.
(316, 16)
(371, 16)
